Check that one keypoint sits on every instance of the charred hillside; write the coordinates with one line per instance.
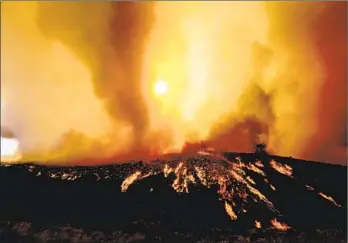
(235, 192)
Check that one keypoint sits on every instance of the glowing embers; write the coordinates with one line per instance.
(282, 169)
(235, 187)
(329, 198)
(238, 183)
(9, 150)
(257, 224)
(229, 211)
(279, 225)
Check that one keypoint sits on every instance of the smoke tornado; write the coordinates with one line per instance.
(110, 41)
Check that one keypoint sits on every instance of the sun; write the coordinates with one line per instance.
(161, 87)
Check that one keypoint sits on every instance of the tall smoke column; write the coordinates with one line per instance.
(311, 103)
(297, 78)
(111, 46)
(61, 55)
(330, 142)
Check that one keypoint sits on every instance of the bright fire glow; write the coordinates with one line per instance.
(9, 150)
(211, 168)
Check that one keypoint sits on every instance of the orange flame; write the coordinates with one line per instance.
(283, 169)
(210, 169)
(251, 180)
(182, 179)
(167, 170)
(279, 226)
(129, 181)
(257, 224)
(252, 167)
(230, 211)
(259, 164)
(329, 198)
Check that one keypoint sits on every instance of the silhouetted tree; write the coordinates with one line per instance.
(260, 149)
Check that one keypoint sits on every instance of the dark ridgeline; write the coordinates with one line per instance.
(151, 206)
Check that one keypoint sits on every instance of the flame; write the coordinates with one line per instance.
(9, 145)
(259, 164)
(252, 167)
(201, 176)
(167, 170)
(251, 180)
(230, 211)
(257, 224)
(10, 150)
(207, 169)
(182, 179)
(279, 226)
(130, 180)
(211, 170)
(283, 169)
(329, 198)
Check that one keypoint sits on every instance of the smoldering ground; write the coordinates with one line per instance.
(78, 77)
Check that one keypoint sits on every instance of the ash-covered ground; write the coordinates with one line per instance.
(210, 197)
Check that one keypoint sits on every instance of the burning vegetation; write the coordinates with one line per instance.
(238, 189)
(329, 199)
(239, 185)
(283, 169)
(280, 226)
(233, 177)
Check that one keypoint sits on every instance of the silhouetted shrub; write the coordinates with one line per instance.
(260, 148)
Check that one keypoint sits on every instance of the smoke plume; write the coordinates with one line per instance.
(79, 78)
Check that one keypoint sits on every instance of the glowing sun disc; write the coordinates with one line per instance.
(161, 87)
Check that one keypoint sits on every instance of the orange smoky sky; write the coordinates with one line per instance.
(101, 81)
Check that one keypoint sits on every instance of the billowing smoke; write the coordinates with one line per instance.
(330, 142)
(110, 44)
(79, 78)
(315, 39)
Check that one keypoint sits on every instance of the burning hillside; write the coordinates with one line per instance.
(233, 178)
(238, 192)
